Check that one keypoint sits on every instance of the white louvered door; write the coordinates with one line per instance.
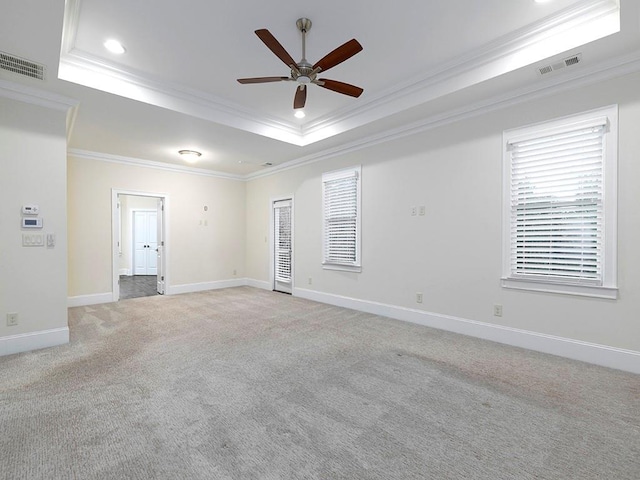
(282, 246)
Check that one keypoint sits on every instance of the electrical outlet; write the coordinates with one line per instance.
(234, 273)
(310, 281)
(497, 310)
(418, 297)
(12, 319)
(422, 210)
(414, 211)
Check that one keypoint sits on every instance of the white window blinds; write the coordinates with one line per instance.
(341, 195)
(557, 204)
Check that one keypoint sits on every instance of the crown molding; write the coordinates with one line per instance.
(137, 162)
(618, 67)
(498, 57)
(70, 25)
(36, 96)
(495, 58)
(79, 67)
(72, 114)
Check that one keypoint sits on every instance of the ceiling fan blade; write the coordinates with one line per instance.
(340, 87)
(263, 79)
(339, 55)
(301, 97)
(273, 45)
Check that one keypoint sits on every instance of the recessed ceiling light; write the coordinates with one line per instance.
(114, 46)
(190, 156)
(299, 114)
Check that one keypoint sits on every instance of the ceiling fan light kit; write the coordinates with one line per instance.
(303, 72)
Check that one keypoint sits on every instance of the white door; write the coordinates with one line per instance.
(282, 246)
(145, 242)
(160, 245)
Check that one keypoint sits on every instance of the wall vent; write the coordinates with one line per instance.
(21, 66)
(566, 62)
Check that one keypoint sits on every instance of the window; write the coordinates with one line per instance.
(341, 206)
(560, 182)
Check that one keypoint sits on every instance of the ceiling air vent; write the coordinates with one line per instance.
(572, 60)
(567, 62)
(21, 66)
(546, 69)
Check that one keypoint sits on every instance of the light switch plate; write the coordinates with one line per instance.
(33, 240)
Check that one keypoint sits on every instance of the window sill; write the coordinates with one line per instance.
(610, 293)
(342, 268)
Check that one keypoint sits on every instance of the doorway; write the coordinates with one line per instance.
(282, 245)
(139, 247)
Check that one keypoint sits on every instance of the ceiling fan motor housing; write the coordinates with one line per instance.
(304, 74)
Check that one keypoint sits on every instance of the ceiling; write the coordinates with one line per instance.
(175, 86)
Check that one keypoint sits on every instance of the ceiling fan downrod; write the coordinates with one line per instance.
(304, 74)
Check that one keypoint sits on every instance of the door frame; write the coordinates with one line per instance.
(272, 246)
(115, 237)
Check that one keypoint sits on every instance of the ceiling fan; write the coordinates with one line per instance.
(302, 72)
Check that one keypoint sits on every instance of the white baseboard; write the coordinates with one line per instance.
(627, 360)
(33, 341)
(97, 298)
(201, 287)
(94, 299)
(251, 282)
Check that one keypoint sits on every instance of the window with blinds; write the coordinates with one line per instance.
(557, 203)
(341, 207)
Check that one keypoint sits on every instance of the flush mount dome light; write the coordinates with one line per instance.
(114, 46)
(190, 156)
(299, 114)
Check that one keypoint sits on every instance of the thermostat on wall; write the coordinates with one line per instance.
(30, 209)
(30, 222)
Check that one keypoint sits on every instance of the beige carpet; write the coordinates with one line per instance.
(248, 384)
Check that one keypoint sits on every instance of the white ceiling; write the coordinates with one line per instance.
(175, 87)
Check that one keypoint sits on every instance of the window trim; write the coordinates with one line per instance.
(608, 289)
(333, 175)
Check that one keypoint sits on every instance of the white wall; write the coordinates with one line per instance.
(198, 253)
(33, 280)
(453, 253)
